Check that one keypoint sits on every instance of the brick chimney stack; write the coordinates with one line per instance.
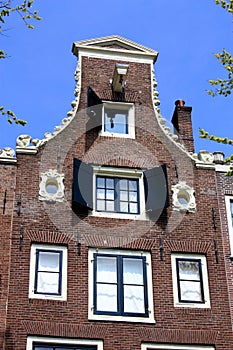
(182, 123)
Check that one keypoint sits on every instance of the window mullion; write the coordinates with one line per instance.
(120, 286)
(117, 194)
(145, 286)
(201, 280)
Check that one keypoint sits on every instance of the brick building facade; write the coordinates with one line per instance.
(111, 234)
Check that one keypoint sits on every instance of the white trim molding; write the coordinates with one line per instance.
(31, 340)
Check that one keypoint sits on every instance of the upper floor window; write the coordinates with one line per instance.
(229, 210)
(118, 119)
(156, 346)
(48, 272)
(190, 280)
(114, 194)
(120, 285)
(115, 119)
(120, 192)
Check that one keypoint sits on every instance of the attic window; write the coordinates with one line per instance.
(118, 120)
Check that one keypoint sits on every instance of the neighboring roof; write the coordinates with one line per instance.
(114, 43)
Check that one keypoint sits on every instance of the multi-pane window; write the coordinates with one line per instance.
(120, 285)
(156, 346)
(62, 347)
(114, 194)
(116, 121)
(48, 272)
(190, 280)
(229, 212)
(51, 343)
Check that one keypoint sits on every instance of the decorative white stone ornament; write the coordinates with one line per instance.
(23, 141)
(183, 198)
(206, 157)
(51, 186)
(7, 152)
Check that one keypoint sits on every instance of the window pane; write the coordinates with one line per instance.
(133, 196)
(101, 182)
(133, 185)
(133, 208)
(48, 261)
(124, 207)
(109, 205)
(231, 205)
(106, 297)
(100, 205)
(106, 269)
(115, 121)
(47, 282)
(123, 184)
(100, 193)
(190, 291)
(134, 299)
(189, 270)
(132, 271)
(124, 196)
(110, 194)
(109, 183)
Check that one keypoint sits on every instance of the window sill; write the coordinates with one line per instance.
(114, 134)
(143, 216)
(92, 317)
(193, 305)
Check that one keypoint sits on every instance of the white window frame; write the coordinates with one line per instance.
(131, 119)
(133, 174)
(177, 303)
(91, 315)
(32, 276)
(228, 199)
(153, 346)
(62, 341)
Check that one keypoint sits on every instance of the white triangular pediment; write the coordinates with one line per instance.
(113, 43)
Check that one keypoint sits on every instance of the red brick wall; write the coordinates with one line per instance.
(58, 224)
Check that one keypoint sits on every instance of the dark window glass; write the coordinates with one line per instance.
(118, 195)
(120, 285)
(62, 347)
(231, 207)
(190, 283)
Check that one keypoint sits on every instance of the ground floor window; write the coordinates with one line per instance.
(48, 343)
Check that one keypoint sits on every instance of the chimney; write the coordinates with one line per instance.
(182, 123)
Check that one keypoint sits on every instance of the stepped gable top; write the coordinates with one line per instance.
(114, 43)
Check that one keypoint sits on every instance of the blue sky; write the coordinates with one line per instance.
(37, 81)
